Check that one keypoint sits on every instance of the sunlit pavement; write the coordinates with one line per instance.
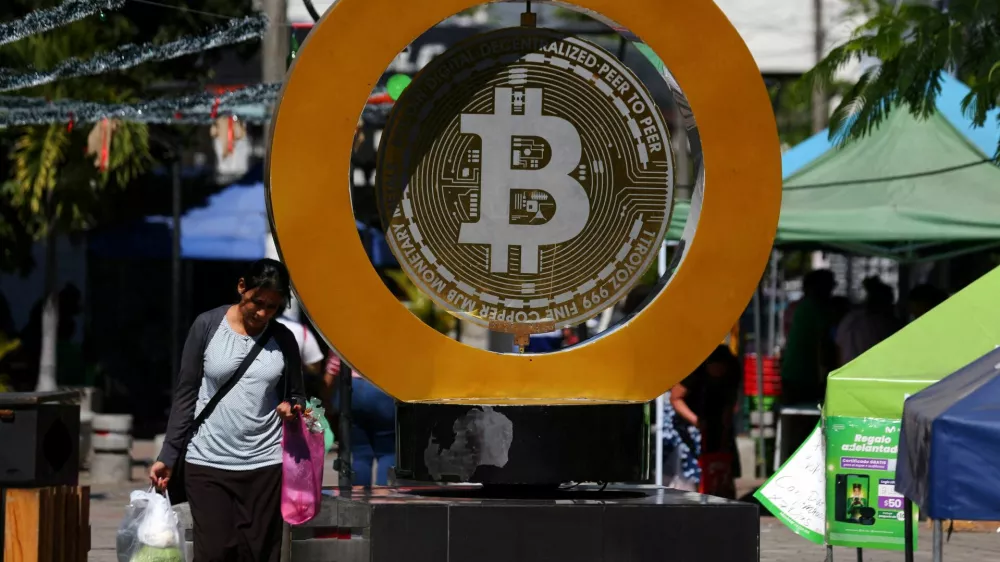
(777, 543)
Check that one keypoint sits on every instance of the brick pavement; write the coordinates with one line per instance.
(777, 543)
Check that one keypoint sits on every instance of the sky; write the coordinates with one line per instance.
(779, 33)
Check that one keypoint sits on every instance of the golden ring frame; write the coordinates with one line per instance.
(310, 205)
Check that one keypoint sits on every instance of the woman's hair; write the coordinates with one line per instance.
(270, 275)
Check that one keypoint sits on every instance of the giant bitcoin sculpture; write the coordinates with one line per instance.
(525, 177)
(531, 206)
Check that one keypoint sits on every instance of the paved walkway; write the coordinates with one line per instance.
(777, 543)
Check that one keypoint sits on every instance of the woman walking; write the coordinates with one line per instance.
(240, 376)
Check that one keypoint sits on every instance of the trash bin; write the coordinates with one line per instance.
(40, 433)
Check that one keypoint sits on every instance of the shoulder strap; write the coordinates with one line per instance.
(240, 371)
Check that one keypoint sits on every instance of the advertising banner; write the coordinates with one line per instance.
(863, 509)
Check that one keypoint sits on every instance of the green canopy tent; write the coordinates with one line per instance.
(911, 190)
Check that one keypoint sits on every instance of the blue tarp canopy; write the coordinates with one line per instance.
(232, 226)
(948, 453)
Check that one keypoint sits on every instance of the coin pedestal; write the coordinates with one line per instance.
(583, 524)
(538, 446)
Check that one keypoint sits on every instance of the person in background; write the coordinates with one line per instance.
(373, 425)
(840, 307)
(923, 298)
(705, 404)
(232, 464)
(809, 354)
(866, 327)
(309, 351)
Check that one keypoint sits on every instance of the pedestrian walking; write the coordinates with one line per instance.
(240, 376)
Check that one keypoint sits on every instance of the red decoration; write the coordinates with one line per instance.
(230, 129)
(99, 143)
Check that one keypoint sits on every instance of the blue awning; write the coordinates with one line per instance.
(231, 227)
(948, 453)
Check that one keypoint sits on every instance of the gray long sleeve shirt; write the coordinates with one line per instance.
(243, 432)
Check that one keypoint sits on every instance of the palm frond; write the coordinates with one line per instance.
(38, 154)
(129, 156)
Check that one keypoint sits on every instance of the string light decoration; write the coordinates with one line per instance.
(190, 109)
(66, 13)
(249, 104)
(131, 55)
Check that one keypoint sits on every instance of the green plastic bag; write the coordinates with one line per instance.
(328, 436)
(319, 415)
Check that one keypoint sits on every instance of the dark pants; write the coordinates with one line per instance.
(373, 432)
(237, 514)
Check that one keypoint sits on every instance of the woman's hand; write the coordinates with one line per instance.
(159, 475)
(288, 413)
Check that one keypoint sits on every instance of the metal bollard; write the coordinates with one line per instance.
(86, 438)
(89, 399)
(112, 444)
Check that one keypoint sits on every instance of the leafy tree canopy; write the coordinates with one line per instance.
(915, 44)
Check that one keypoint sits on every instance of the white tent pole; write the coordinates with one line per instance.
(658, 431)
(758, 350)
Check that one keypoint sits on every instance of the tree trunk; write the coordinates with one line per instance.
(50, 317)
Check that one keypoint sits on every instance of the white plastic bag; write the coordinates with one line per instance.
(150, 531)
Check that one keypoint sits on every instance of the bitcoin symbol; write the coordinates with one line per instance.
(572, 205)
(525, 177)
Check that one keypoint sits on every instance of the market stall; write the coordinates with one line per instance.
(839, 488)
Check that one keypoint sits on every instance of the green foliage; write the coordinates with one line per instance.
(915, 44)
(7, 346)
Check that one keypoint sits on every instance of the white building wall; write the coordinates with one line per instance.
(779, 33)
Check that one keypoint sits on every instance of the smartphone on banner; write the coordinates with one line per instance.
(852, 497)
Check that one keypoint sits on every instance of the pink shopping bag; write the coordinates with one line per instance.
(303, 453)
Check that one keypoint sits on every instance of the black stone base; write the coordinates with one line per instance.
(522, 445)
(463, 524)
